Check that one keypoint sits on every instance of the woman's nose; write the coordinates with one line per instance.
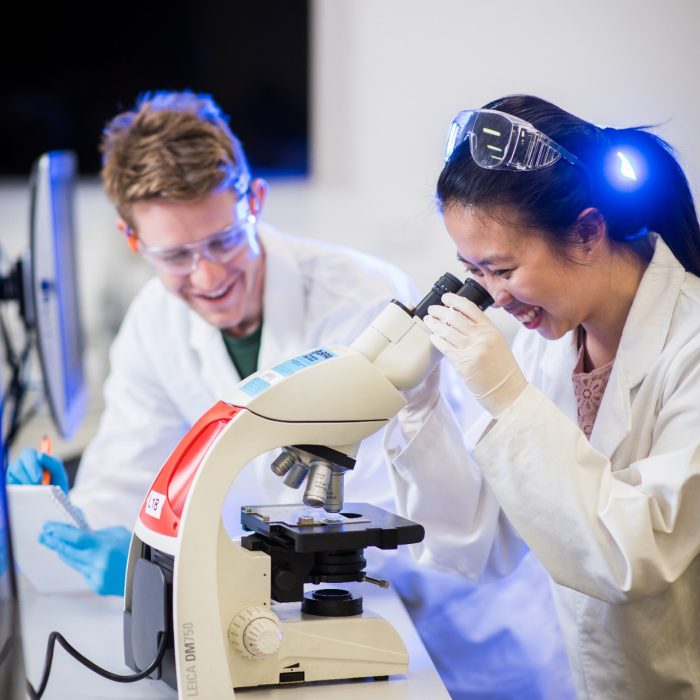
(501, 296)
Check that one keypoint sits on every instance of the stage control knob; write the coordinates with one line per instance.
(255, 632)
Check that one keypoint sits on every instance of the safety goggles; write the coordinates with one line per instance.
(500, 141)
(220, 247)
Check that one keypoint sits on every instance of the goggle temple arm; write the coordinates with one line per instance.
(131, 239)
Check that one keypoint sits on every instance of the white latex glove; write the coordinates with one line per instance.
(463, 333)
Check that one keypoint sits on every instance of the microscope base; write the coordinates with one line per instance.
(318, 648)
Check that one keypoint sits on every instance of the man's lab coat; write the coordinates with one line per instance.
(169, 366)
(615, 521)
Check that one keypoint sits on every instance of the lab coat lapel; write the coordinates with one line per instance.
(283, 320)
(217, 372)
(643, 339)
(559, 359)
(284, 301)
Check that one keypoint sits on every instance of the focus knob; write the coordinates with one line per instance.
(255, 632)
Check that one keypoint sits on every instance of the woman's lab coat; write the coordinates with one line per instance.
(168, 366)
(615, 521)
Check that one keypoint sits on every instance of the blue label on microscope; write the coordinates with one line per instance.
(275, 374)
(302, 361)
(255, 386)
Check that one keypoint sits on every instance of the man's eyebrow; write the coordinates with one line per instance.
(493, 260)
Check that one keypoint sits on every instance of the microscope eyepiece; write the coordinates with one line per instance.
(447, 283)
(470, 289)
(473, 291)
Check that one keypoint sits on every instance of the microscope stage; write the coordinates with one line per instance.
(359, 525)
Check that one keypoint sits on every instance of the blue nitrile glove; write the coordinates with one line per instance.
(29, 466)
(99, 555)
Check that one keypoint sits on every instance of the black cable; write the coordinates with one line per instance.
(10, 355)
(58, 637)
(17, 390)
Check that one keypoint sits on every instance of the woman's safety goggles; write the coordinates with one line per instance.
(500, 141)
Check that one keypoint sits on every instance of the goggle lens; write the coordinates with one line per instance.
(489, 139)
(220, 248)
(499, 141)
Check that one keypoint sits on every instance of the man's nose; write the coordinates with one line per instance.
(206, 272)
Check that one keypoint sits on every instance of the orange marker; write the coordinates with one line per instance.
(46, 447)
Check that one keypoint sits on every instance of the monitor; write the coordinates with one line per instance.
(54, 290)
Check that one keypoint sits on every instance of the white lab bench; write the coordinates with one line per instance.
(93, 625)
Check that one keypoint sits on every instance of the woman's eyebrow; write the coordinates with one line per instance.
(493, 260)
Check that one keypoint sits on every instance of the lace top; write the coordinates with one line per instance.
(589, 388)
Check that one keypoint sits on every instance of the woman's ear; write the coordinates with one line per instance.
(257, 195)
(590, 228)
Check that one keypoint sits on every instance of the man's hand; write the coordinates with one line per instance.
(29, 467)
(99, 555)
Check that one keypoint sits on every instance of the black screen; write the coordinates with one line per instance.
(64, 77)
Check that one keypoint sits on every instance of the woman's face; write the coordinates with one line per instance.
(521, 272)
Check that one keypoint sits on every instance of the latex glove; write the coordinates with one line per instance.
(465, 335)
(99, 555)
(28, 469)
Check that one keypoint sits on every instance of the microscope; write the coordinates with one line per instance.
(234, 613)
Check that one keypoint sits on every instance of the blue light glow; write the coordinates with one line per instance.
(626, 168)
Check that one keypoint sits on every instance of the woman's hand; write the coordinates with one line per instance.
(466, 337)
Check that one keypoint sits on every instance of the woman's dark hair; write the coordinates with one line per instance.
(551, 199)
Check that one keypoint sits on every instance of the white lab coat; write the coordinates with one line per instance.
(615, 521)
(168, 366)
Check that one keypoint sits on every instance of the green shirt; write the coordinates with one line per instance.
(244, 351)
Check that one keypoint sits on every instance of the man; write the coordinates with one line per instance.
(230, 296)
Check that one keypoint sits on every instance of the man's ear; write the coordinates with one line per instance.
(257, 195)
(125, 229)
(590, 228)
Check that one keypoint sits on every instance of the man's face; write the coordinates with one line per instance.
(226, 294)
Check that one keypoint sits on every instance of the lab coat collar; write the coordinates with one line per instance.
(559, 357)
(283, 318)
(284, 301)
(649, 320)
(217, 372)
(643, 339)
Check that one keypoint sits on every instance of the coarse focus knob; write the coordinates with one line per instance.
(255, 632)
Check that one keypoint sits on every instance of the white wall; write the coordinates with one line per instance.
(391, 74)
(388, 76)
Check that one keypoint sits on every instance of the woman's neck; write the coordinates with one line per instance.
(618, 279)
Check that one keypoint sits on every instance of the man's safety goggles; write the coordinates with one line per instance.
(500, 141)
(220, 247)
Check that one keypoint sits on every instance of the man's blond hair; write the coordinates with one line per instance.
(172, 145)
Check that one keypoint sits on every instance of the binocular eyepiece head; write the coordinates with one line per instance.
(469, 289)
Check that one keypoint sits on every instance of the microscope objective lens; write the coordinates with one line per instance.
(317, 483)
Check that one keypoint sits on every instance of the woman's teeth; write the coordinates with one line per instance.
(529, 315)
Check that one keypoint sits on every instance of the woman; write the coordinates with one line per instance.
(590, 450)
